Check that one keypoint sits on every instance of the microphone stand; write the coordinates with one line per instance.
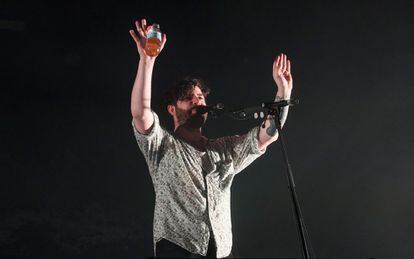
(273, 109)
(300, 223)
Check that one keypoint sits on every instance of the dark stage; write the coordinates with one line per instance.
(75, 185)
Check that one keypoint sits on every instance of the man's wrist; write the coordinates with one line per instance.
(282, 95)
(147, 60)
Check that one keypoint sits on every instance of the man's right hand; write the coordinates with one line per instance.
(140, 38)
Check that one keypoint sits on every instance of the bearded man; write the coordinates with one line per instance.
(192, 174)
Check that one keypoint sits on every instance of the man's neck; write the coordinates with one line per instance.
(191, 136)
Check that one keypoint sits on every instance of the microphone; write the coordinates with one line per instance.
(279, 104)
(260, 111)
(213, 110)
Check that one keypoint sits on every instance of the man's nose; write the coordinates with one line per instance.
(195, 100)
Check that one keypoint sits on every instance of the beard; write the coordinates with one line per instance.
(190, 120)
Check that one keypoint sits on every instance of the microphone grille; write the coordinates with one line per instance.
(219, 106)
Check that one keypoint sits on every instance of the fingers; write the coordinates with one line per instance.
(144, 24)
(288, 66)
(280, 62)
(134, 35)
(277, 62)
(276, 66)
(141, 37)
(148, 29)
(164, 39)
(281, 65)
(144, 27)
(284, 62)
(139, 29)
(136, 38)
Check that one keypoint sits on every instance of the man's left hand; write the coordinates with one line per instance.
(282, 74)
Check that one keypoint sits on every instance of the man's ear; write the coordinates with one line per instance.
(171, 109)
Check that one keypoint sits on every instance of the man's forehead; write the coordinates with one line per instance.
(197, 90)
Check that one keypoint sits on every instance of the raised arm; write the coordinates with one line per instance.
(141, 91)
(283, 78)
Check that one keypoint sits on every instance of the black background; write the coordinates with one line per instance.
(74, 183)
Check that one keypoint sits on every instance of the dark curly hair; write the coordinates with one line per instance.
(184, 88)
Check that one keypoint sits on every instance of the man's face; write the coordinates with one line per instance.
(185, 113)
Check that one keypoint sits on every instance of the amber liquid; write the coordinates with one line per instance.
(153, 47)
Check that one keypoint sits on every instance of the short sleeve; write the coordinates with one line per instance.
(151, 144)
(244, 149)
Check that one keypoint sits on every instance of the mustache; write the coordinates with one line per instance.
(198, 110)
(191, 118)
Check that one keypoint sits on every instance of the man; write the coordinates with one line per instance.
(192, 174)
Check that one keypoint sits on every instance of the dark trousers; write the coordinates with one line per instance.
(167, 249)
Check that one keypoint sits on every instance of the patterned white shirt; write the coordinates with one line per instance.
(192, 188)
